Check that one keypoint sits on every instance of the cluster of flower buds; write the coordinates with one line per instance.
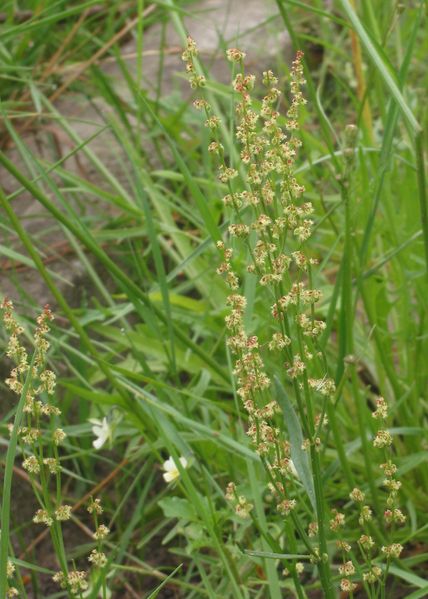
(383, 440)
(196, 80)
(270, 225)
(12, 591)
(97, 556)
(392, 515)
(243, 507)
(32, 439)
(39, 445)
(75, 581)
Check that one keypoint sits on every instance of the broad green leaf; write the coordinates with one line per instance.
(298, 455)
(176, 507)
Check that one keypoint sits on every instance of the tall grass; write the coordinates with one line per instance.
(146, 346)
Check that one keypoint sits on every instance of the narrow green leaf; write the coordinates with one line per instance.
(415, 580)
(420, 594)
(370, 47)
(156, 592)
(271, 555)
(197, 194)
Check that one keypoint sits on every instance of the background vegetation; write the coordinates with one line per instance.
(141, 339)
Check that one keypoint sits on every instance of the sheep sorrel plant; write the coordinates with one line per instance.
(276, 335)
(36, 437)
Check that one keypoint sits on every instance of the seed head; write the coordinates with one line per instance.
(53, 465)
(31, 464)
(347, 586)
(365, 514)
(343, 545)
(190, 51)
(95, 507)
(235, 55)
(10, 570)
(230, 491)
(357, 495)
(383, 438)
(77, 581)
(372, 575)
(381, 411)
(98, 558)
(63, 513)
(286, 506)
(347, 569)
(392, 551)
(389, 468)
(338, 520)
(42, 517)
(243, 507)
(59, 436)
(366, 542)
(101, 532)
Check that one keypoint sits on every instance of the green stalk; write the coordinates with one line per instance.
(324, 565)
(331, 414)
(422, 191)
(269, 565)
(346, 309)
(293, 546)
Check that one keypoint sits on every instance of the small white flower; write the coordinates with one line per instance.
(171, 470)
(101, 430)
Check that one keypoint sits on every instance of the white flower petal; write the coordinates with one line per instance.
(101, 430)
(98, 443)
(171, 470)
(169, 476)
(169, 464)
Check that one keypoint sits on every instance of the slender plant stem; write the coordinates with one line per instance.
(422, 191)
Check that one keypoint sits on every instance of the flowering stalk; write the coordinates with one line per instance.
(39, 445)
(40, 463)
(374, 577)
(6, 568)
(270, 220)
(97, 557)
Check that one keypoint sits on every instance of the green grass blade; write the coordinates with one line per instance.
(383, 69)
